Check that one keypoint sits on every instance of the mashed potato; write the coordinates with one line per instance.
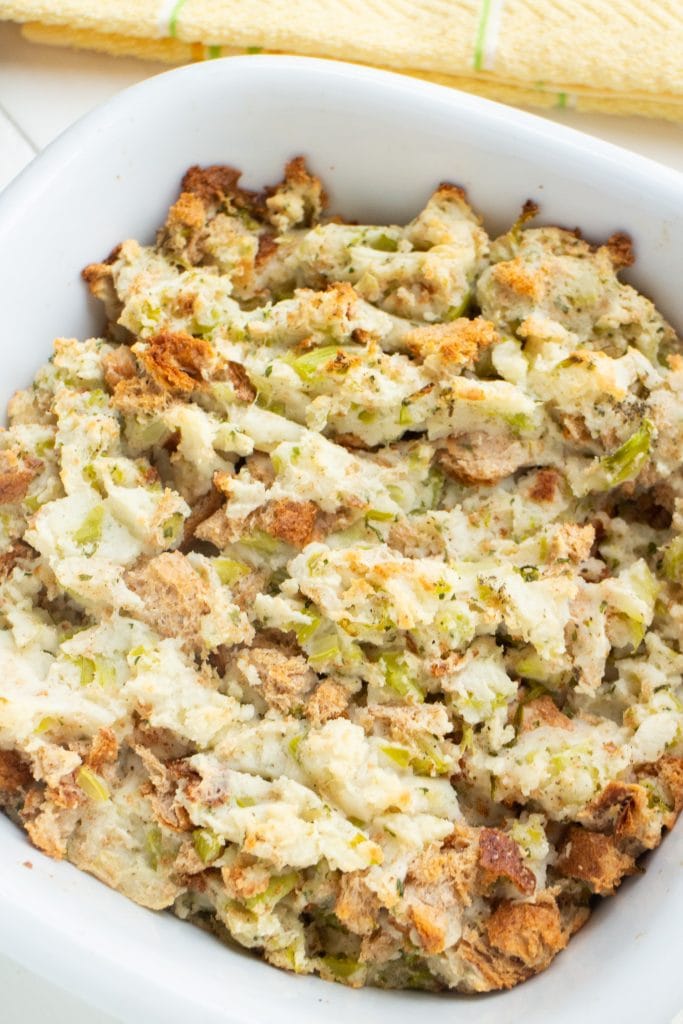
(341, 584)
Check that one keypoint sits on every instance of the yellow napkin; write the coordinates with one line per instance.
(620, 56)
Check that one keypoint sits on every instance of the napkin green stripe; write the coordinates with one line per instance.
(175, 14)
(481, 35)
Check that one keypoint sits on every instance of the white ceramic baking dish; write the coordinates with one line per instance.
(381, 142)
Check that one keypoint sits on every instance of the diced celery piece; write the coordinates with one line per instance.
(627, 461)
(92, 785)
(636, 630)
(431, 763)
(153, 847)
(105, 672)
(672, 561)
(435, 480)
(404, 416)
(245, 801)
(172, 527)
(467, 741)
(644, 582)
(520, 422)
(367, 416)
(87, 670)
(95, 670)
(45, 446)
(207, 844)
(294, 746)
(531, 666)
(529, 573)
(323, 648)
(399, 755)
(341, 966)
(384, 243)
(90, 474)
(90, 530)
(277, 889)
(305, 630)
(44, 724)
(262, 542)
(397, 677)
(136, 653)
(229, 570)
(454, 312)
(146, 434)
(376, 515)
(309, 366)
(532, 693)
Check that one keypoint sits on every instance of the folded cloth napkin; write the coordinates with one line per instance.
(620, 56)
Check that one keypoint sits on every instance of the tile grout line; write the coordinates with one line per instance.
(20, 131)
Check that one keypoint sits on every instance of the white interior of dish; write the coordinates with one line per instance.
(380, 143)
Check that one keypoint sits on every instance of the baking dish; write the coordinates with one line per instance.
(381, 142)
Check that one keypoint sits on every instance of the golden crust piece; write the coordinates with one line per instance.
(356, 906)
(16, 475)
(260, 468)
(547, 484)
(244, 389)
(49, 830)
(456, 344)
(285, 679)
(16, 553)
(15, 775)
(218, 530)
(529, 932)
(492, 970)
(202, 510)
(572, 542)
(137, 396)
(514, 276)
(97, 276)
(187, 212)
(542, 711)
(161, 790)
(176, 361)
(182, 232)
(245, 878)
(290, 521)
(481, 458)
(328, 700)
(104, 749)
(118, 365)
(620, 249)
(446, 875)
(217, 183)
(299, 200)
(174, 596)
(66, 794)
(519, 940)
(622, 807)
(501, 857)
(430, 924)
(594, 858)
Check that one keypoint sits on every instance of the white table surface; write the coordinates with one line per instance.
(42, 91)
